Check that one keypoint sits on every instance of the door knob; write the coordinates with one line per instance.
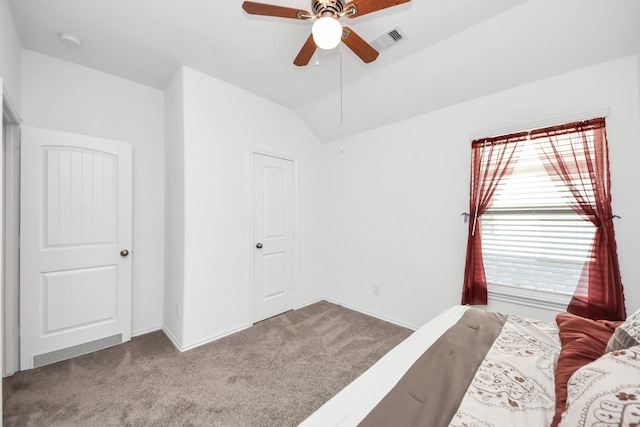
(124, 252)
(259, 245)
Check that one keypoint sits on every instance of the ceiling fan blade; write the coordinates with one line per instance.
(263, 9)
(357, 44)
(305, 54)
(362, 7)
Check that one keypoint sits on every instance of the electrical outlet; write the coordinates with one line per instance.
(178, 312)
(376, 289)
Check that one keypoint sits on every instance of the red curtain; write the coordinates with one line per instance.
(576, 155)
(492, 159)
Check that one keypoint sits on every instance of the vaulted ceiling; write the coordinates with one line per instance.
(453, 50)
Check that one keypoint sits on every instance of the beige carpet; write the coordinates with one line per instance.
(273, 374)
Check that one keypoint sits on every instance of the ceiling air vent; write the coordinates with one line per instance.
(388, 39)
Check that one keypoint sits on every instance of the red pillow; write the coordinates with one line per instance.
(583, 341)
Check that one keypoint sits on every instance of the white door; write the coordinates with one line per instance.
(273, 265)
(75, 267)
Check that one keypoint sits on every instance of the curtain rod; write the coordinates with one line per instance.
(552, 121)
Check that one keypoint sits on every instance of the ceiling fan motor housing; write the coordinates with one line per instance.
(322, 7)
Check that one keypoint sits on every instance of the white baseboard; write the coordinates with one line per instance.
(146, 331)
(183, 348)
(308, 303)
(376, 315)
(215, 337)
(172, 338)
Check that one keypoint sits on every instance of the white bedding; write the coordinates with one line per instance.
(354, 402)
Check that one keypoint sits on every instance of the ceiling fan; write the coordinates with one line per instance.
(327, 32)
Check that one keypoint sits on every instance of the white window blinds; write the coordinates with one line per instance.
(531, 237)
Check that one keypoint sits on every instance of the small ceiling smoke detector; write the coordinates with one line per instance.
(70, 41)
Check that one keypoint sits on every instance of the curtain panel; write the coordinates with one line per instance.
(492, 159)
(576, 155)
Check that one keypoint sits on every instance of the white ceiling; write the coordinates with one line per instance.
(455, 50)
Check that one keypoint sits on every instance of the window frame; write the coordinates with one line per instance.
(515, 293)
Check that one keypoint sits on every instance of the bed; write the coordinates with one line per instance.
(469, 367)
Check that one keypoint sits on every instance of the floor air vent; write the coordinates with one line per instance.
(76, 350)
(388, 39)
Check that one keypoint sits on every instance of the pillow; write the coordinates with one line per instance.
(583, 341)
(626, 335)
(606, 392)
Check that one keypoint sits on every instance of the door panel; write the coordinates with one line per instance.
(274, 201)
(75, 219)
(77, 298)
(275, 274)
(80, 199)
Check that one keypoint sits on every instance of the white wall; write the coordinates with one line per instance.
(9, 56)
(222, 124)
(174, 210)
(1, 240)
(395, 196)
(638, 58)
(63, 96)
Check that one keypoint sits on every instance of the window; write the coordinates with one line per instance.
(541, 220)
(531, 237)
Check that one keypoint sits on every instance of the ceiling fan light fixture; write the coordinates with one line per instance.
(327, 32)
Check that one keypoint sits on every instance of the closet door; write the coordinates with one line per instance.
(273, 257)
